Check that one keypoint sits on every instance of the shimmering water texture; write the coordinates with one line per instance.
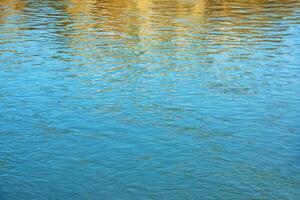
(149, 99)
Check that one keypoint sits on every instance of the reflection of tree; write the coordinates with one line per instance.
(193, 26)
(174, 32)
(129, 16)
(13, 5)
(166, 20)
(141, 22)
(145, 17)
(9, 7)
(138, 23)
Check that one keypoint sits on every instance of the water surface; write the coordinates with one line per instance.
(146, 99)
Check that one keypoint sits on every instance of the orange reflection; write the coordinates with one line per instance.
(10, 7)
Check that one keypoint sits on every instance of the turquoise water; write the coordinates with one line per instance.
(149, 99)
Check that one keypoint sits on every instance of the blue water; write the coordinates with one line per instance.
(144, 99)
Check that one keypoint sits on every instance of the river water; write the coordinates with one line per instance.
(148, 99)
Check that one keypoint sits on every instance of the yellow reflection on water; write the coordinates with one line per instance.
(10, 7)
(121, 15)
(163, 20)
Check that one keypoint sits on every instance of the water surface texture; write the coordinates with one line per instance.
(149, 99)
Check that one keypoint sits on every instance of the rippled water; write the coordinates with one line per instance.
(144, 99)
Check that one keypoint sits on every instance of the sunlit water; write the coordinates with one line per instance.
(144, 99)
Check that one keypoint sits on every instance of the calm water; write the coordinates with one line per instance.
(148, 99)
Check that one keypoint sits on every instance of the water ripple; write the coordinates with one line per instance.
(149, 99)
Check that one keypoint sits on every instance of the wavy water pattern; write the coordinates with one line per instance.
(148, 99)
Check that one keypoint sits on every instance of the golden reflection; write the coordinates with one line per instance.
(199, 8)
(143, 17)
(79, 6)
(14, 5)
(10, 7)
(127, 30)
(122, 16)
(142, 22)
(165, 19)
